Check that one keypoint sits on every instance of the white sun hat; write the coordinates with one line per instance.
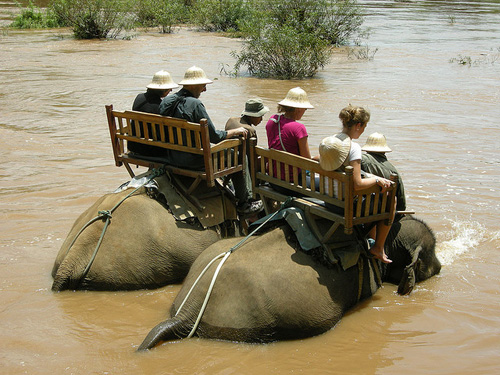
(195, 76)
(162, 80)
(296, 98)
(376, 142)
(333, 151)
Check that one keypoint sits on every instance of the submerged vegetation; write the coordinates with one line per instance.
(95, 18)
(281, 38)
(32, 17)
(293, 38)
(486, 58)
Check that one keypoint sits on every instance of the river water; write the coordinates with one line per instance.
(441, 118)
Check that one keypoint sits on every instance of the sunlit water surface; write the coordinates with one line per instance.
(441, 118)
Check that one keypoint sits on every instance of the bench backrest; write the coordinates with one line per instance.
(170, 133)
(336, 188)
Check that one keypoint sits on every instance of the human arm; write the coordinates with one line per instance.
(304, 148)
(361, 183)
(234, 133)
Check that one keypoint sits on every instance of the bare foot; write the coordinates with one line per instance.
(380, 254)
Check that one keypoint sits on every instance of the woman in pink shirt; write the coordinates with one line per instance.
(284, 132)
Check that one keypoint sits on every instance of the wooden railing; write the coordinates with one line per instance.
(278, 174)
(167, 133)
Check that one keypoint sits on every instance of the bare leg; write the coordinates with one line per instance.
(382, 231)
(378, 248)
(373, 232)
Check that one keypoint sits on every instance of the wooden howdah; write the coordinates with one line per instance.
(220, 160)
(288, 171)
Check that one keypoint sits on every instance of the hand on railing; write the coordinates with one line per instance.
(238, 132)
(383, 183)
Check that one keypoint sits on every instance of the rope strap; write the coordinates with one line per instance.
(106, 215)
(214, 277)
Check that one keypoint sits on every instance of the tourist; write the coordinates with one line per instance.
(375, 161)
(250, 117)
(338, 151)
(161, 85)
(185, 104)
(284, 131)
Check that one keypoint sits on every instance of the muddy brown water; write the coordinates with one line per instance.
(440, 118)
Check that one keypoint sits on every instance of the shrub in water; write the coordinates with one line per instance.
(283, 53)
(219, 15)
(161, 13)
(95, 18)
(33, 17)
(293, 38)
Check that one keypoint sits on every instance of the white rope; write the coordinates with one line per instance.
(209, 292)
(214, 277)
(198, 279)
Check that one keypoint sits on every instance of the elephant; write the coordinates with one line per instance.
(268, 289)
(144, 246)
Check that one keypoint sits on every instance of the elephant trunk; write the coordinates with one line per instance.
(165, 331)
(409, 279)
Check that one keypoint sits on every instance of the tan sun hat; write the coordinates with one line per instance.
(195, 76)
(162, 80)
(254, 108)
(333, 151)
(376, 142)
(296, 98)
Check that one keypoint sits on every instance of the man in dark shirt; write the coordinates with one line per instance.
(149, 102)
(185, 104)
(375, 161)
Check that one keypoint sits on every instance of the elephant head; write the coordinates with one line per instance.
(411, 245)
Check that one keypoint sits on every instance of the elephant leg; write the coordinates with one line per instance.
(408, 279)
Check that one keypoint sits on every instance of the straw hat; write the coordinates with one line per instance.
(376, 142)
(333, 151)
(162, 80)
(254, 108)
(296, 98)
(194, 76)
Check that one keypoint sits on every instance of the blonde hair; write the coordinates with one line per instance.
(352, 115)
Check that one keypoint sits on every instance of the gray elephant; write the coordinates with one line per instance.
(144, 246)
(269, 290)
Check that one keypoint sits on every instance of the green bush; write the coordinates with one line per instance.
(91, 19)
(293, 38)
(334, 21)
(219, 15)
(33, 17)
(283, 53)
(163, 14)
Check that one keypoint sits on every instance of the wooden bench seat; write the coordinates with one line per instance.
(288, 171)
(220, 160)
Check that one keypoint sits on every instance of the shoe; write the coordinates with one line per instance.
(250, 207)
(371, 242)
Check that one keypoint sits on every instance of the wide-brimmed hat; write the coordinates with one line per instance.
(376, 142)
(296, 98)
(254, 108)
(195, 76)
(162, 80)
(333, 151)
